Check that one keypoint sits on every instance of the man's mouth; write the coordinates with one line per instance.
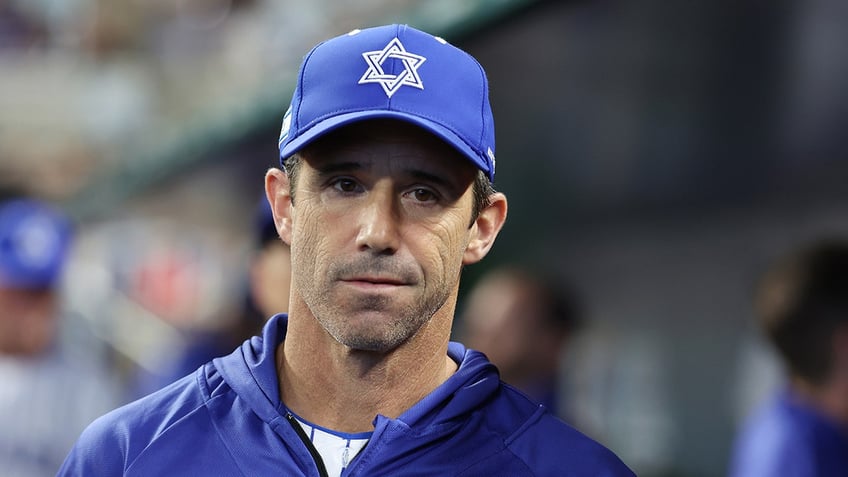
(375, 281)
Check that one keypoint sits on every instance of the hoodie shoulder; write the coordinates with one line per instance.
(112, 442)
(147, 437)
(545, 444)
(548, 445)
(530, 439)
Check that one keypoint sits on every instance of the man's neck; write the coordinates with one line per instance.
(344, 389)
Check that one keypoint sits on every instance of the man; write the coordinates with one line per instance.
(270, 271)
(46, 396)
(523, 322)
(388, 150)
(802, 308)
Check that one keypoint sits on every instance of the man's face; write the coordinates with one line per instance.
(27, 321)
(380, 225)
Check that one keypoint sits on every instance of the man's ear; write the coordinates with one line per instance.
(278, 192)
(485, 229)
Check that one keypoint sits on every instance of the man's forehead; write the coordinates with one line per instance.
(378, 139)
(381, 130)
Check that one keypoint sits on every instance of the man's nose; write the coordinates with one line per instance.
(379, 222)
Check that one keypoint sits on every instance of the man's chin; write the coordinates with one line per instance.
(371, 339)
(370, 343)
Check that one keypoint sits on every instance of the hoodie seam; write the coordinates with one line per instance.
(533, 419)
(505, 447)
(218, 433)
(206, 393)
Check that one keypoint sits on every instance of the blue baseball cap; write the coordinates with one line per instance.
(393, 71)
(34, 244)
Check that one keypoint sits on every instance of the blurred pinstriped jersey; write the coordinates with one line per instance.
(45, 403)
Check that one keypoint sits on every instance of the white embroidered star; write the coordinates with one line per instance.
(392, 83)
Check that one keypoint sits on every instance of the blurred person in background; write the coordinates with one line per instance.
(270, 271)
(19, 30)
(266, 294)
(47, 397)
(802, 308)
(523, 323)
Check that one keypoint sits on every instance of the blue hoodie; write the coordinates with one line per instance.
(227, 419)
(790, 438)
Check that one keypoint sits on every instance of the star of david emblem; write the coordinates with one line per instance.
(392, 83)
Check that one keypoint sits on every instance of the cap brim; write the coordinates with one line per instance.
(336, 122)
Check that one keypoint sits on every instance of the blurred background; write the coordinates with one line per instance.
(657, 155)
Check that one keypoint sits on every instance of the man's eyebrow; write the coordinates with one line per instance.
(334, 167)
(432, 178)
(330, 168)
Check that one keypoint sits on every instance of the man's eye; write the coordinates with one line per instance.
(345, 185)
(423, 195)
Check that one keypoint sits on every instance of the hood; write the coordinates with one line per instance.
(251, 372)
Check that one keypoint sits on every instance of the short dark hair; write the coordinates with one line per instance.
(482, 188)
(801, 301)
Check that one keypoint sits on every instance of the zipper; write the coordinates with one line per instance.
(322, 470)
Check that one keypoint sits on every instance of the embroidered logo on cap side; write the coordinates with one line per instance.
(491, 154)
(284, 130)
(392, 83)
